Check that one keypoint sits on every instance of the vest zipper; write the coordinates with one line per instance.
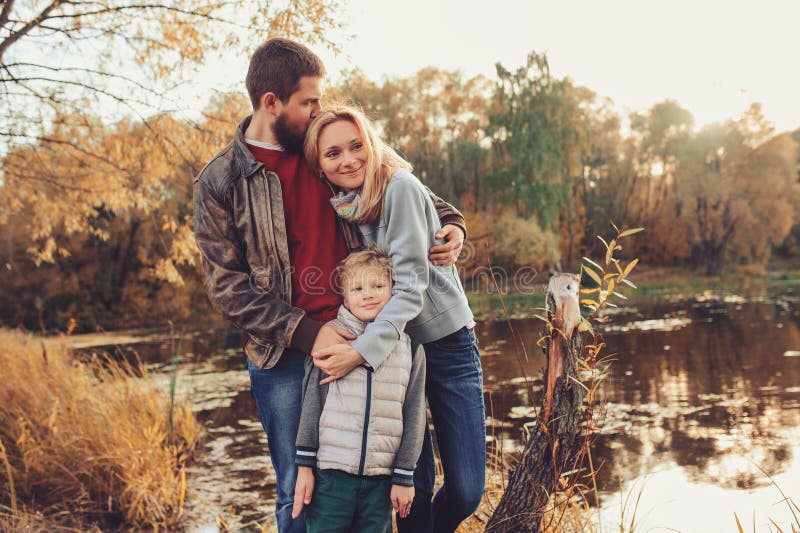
(366, 426)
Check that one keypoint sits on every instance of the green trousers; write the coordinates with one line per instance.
(346, 503)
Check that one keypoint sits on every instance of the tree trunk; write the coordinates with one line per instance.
(556, 438)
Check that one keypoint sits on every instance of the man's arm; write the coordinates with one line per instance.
(447, 213)
(231, 289)
(453, 232)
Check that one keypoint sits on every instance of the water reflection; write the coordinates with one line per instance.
(699, 387)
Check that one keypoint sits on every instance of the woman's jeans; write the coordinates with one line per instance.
(277, 393)
(454, 387)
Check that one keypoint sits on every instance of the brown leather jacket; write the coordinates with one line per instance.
(240, 229)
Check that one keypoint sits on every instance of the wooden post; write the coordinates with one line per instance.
(555, 441)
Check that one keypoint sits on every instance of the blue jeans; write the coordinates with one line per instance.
(277, 393)
(454, 387)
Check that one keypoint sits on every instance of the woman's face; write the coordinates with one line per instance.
(342, 155)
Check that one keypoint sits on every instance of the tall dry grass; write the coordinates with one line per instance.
(86, 442)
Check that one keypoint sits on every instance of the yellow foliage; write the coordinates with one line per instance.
(512, 241)
(88, 438)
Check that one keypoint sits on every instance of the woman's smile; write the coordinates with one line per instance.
(342, 155)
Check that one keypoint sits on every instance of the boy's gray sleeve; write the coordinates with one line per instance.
(313, 399)
(414, 419)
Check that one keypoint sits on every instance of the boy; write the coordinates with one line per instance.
(363, 432)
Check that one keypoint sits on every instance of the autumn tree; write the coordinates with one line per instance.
(137, 265)
(645, 193)
(68, 67)
(740, 191)
(595, 157)
(435, 118)
(533, 132)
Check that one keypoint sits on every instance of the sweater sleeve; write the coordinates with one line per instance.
(313, 399)
(414, 420)
(405, 211)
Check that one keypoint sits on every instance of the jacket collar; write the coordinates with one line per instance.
(350, 321)
(248, 164)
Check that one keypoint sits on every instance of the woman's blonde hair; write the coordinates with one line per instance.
(382, 160)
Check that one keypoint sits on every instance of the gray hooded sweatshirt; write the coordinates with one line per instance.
(428, 301)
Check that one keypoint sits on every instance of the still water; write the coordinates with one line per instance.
(705, 392)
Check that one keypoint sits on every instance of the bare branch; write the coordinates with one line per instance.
(6, 12)
(17, 35)
(84, 70)
(52, 140)
(147, 7)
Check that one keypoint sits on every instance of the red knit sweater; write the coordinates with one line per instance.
(316, 243)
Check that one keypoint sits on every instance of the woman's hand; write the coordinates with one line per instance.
(337, 361)
(303, 488)
(447, 253)
(401, 499)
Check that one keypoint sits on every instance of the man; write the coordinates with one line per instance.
(270, 242)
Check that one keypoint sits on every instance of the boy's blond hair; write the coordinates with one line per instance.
(371, 256)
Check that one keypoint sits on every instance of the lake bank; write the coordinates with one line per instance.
(704, 381)
(652, 283)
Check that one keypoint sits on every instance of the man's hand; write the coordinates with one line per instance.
(337, 361)
(401, 499)
(303, 488)
(447, 253)
(329, 336)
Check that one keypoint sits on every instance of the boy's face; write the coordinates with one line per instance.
(366, 291)
(297, 112)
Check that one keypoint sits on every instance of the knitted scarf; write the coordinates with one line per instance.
(346, 204)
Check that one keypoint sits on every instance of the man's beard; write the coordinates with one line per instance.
(291, 140)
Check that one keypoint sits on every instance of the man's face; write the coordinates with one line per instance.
(297, 112)
(366, 291)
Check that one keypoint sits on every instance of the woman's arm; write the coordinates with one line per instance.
(408, 215)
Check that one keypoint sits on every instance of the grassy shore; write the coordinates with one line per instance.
(651, 283)
(85, 443)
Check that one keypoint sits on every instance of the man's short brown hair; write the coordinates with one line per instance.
(371, 256)
(277, 66)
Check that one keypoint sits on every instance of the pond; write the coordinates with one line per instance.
(704, 395)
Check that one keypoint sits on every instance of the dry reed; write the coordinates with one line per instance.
(88, 439)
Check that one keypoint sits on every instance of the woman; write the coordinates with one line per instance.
(378, 192)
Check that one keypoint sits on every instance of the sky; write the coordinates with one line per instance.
(714, 57)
